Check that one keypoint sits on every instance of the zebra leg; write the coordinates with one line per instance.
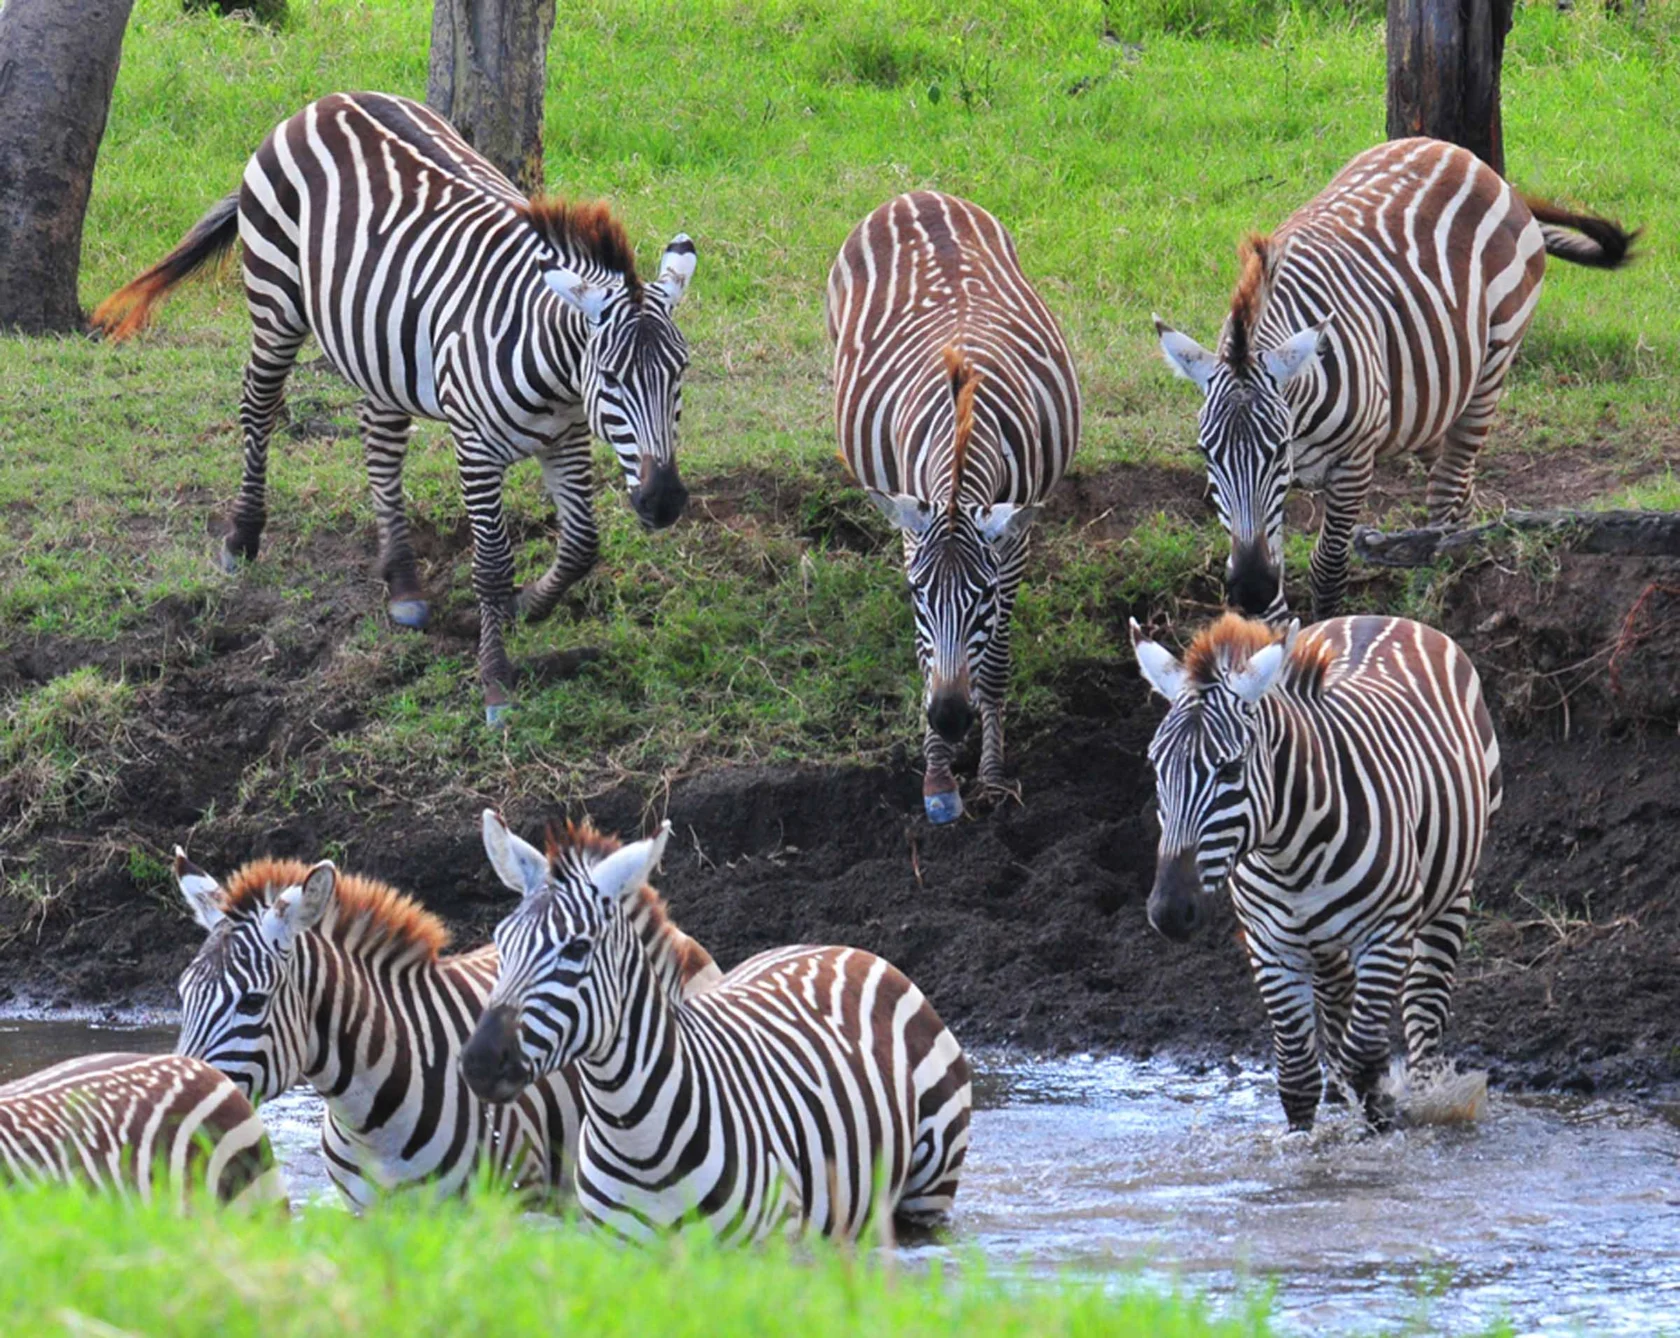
(482, 472)
(385, 434)
(992, 677)
(941, 799)
(1365, 1046)
(1285, 979)
(568, 475)
(1344, 499)
(1426, 996)
(272, 354)
(1448, 494)
(1333, 986)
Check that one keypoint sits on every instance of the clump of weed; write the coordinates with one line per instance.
(59, 747)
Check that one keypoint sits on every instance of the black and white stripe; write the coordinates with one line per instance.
(1341, 781)
(958, 409)
(811, 1088)
(440, 292)
(1381, 318)
(137, 1124)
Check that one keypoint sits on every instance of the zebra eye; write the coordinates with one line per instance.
(577, 950)
(1230, 772)
(250, 1002)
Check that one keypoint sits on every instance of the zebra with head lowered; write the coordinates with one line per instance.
(958, 410)
(439, 291)
(1381, 318)
(337, 980)
(125, 1122)
(1340, 781)
(810, 1088)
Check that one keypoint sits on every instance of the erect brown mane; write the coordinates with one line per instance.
(1254, 252)
(387, 915)
(1232, 641)
(586, 228)
(580, 837)
(965, 381)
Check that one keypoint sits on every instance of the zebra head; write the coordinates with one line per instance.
(631, 374)
(1245, 430)
(242, 1004)
(564, 956)
(1209, 774)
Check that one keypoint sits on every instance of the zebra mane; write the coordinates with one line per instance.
(588, 230)
(965, 381)
(677, 958)
(385, 916)
(1249, 301)
(1228, 644)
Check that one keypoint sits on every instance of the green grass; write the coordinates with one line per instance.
(1127, 144)
(80, 1265)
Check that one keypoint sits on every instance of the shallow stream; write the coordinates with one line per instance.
(1559, 1214)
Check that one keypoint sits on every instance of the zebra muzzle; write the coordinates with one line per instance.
(658, 500)
(950, 715)
(493, 1063)
(1175, 902)
(1252, 578)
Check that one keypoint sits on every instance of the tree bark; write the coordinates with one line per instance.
(58, 65)
(1443, 72)
(489, 60)
(1628, 533)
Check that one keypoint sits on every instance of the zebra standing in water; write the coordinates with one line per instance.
(809, 1088)
(438, 291)
(958, 410)
(1380, 318)
(1341, 780)
(119, 1122)
(337, 980)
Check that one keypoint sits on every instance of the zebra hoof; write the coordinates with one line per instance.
(943, 808)
(410, 613)
(498, 714)
(224, 559)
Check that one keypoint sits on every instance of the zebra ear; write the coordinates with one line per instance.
(906, 512)
(203, 895)
(577, 292)
(626, 871)
(1297, 353)
(519, 864)
(1260, 675)
(299, 909)
(676, 268)
(1005, 519)
(1159, 666)
(1185, 356)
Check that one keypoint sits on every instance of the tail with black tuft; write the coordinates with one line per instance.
(127, 310)
(1582, 239)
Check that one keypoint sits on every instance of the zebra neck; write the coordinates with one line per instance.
(1289, 742)
(648, 1071)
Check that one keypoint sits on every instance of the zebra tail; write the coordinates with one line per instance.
(126, 311)
(1582, 239)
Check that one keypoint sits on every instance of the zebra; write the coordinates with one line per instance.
(339, 980)
(137, 1123)
(957, 409)
(1381, 318)
(810, 1088)
(1341, 781)
(439, 291)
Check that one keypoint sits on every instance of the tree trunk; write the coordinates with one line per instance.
(489, 60)
(58, 65)
(1443, 72)
(1622, 533)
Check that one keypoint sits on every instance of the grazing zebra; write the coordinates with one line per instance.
(958, 410)
(438, 291)
(1342, 780)
(338, 980)
(809, 1088)
(1380, 318)
(137, 1122)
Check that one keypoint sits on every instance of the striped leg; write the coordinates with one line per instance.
(1448, 495)
(569, 476)
(385, 434)
(1285, 978)
(1333, 987)
(1344, 498)
(272, 354)
(1365, 1046)
(482, 472)
(992, 677)
(1426, 996)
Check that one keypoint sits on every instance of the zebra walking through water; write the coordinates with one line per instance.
(340, 981)
(1381, 318)
(440, 292)
(957, 409)
(810, 1088)
(137, 1122)
(1341, 781)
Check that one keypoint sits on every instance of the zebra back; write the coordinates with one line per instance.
(125, 1122)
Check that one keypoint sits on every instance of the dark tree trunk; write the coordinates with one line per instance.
(489, 60)
(1443, 72)
(58, 64)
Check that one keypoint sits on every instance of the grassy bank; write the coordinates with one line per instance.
(1127, 145)
(76, 1265)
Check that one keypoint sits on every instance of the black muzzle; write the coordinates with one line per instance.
(492, 1063)
(1175, 902)
(660, 497)
(1252, 580)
